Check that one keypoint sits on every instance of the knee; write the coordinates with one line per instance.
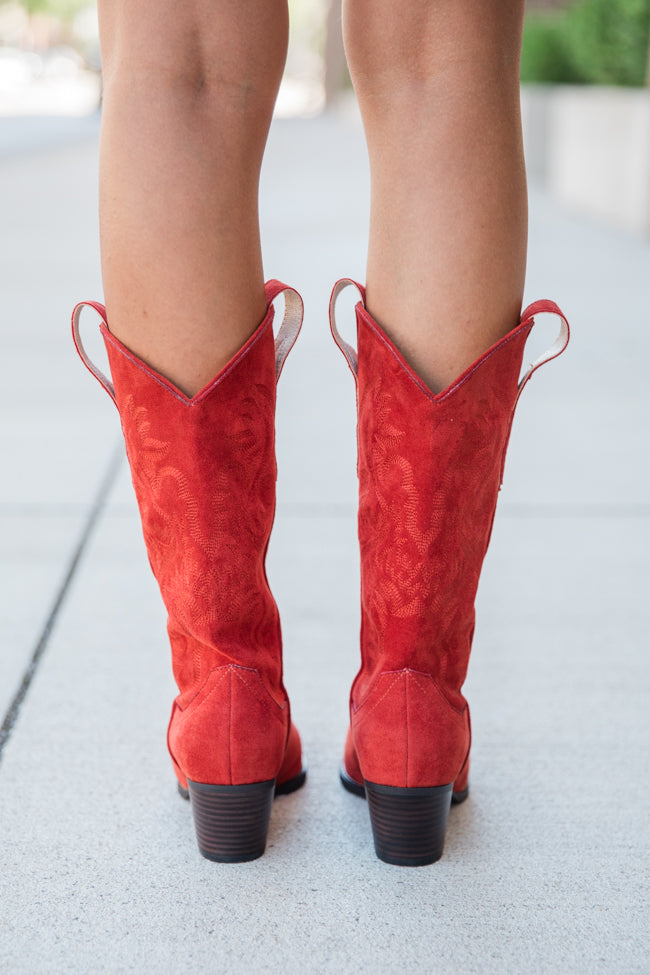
(201, 59)
(391, 45)
(386, 42)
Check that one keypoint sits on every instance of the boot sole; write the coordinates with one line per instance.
(232, 821)
(408, 825)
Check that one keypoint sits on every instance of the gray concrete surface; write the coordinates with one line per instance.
(546, 864)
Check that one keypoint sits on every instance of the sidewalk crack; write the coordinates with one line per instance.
(105, 486)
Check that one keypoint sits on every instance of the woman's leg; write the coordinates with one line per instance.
(189, 94)
(438, 86)
(437, 82)
(190, 89)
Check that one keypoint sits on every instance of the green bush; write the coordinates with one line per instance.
(545, 54)
(608, 40)
(603, 42)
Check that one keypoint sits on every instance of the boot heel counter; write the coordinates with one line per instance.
(232, 732)
(407, 734)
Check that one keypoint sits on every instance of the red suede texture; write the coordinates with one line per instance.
(406, 734)
(233, 723)
(204, 474)
(429, 476)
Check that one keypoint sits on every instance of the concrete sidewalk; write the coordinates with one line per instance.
(546, 864)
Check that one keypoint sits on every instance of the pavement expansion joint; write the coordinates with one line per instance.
(105, 486)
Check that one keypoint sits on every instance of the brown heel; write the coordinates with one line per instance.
(408, 825)
(231, 821)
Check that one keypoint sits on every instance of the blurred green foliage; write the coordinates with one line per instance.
(545, 54)
(63, 10)
(600, 42)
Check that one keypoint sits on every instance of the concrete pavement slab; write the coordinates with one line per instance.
(53, 449)
(36, 544)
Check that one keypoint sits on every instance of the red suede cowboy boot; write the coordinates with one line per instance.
(204, 474)
(430, 469)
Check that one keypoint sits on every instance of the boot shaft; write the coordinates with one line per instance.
(430, 469)
(204, 472)
(429, 475)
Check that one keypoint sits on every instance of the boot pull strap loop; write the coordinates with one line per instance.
(348, 350)
(291, 323)
(539, 308)
(85, 358)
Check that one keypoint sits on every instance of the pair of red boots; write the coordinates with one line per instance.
(430, 468)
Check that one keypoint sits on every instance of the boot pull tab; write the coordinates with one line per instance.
(544, 307)
(348, 350)
(85, 358)
(291, 323)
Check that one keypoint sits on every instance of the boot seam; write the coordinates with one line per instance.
(372, 689)
(230, 728)
(197, 692)
(269, 702)
(175, 707)
(406, 732)
(430, 679)
(408, 671)
(228, 670)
